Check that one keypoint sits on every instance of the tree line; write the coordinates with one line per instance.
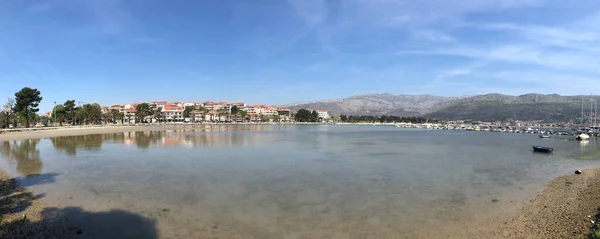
(385, 119)
(21, 109)
(304, 115)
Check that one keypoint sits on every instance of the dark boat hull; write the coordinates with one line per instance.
(541, 149)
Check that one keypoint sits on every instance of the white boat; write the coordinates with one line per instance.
(583, 136)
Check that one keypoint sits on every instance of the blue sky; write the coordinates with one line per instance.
(278, 51)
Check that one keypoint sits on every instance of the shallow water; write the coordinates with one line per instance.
(294, 181)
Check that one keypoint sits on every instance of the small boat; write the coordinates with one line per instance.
(582, 136)
(542, 149)
(545, 136)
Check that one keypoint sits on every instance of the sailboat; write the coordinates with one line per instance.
(583, 135)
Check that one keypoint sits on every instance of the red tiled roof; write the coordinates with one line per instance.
(197, 111)
(212, 112)
(172, 108)
(322, 111)
(130, 110)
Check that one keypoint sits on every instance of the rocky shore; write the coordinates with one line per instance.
(567, 208)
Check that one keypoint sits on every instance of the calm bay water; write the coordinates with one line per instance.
(295, 181)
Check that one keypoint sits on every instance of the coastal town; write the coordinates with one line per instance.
(199, 112)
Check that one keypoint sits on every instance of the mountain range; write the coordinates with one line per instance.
(488, 107)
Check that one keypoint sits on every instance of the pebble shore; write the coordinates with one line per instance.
(567, 208)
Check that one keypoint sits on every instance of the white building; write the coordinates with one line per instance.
(255, 109)
(269, 111)
(173, 113)
(188, 104)
(323, 114)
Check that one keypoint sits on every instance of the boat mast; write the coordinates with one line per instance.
(582, 110)
(591, 97)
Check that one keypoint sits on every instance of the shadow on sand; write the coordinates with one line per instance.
(71, 222)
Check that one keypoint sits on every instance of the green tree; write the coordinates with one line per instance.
(243, 113)
(59, 114)
(158, 115)
(92, 113)
(43, 119)
(114, 115)
(143, 110)
(80, 115)
(265, 118)
(235, 110)
(27, 101)
(188, 110)
(314, 116)
(8, 112)
(343, 118)
(70, 110)
(303, 115)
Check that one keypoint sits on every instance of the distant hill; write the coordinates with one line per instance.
(488, 107)
(492, 107)
(377, 104)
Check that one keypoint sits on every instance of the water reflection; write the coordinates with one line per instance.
(25, 154)
(70, 144)
(171, 138)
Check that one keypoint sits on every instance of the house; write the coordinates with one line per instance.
(285, 114)
(189, 104)
(197, 116)
(209, 105)
(240, 105)
(256, 109)
(129, 116)
(212, 116)
(269, 111)
(105, 109)
(175, 103)
(323, 114)
(157, 104)
(173, 113)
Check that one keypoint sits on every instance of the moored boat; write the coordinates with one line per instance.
(582, 136)
(542, 149)
(545, 136)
